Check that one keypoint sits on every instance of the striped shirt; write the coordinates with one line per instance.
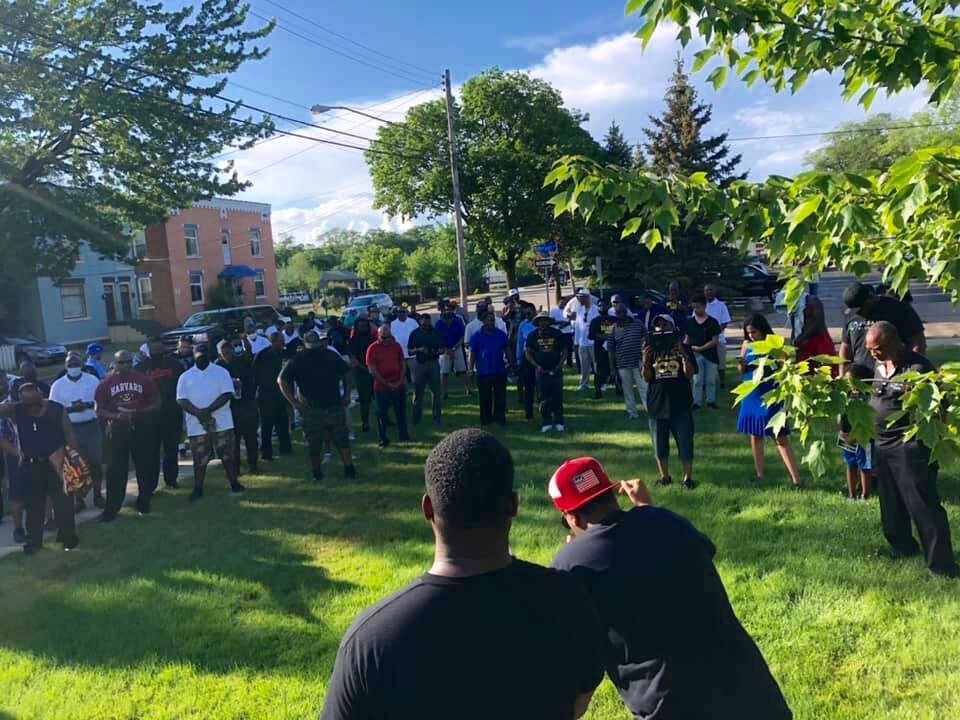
(628, 340)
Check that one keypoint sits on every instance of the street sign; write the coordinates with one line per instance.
(545, 263)
(546, 248)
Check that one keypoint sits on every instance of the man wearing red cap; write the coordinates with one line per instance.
(675, 647)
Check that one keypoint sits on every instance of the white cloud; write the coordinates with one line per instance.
(315, 187)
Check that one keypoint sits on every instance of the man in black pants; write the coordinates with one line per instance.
(167, 421)
(695, 660)
(545, 351)
(244, 404)
(273, 408)
(44, 432)
(907, 480)
(125, 399)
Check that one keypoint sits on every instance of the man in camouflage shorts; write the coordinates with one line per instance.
(317, 373)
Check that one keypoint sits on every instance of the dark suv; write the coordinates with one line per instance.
(213, 325)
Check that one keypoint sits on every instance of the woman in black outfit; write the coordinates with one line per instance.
(44, 432)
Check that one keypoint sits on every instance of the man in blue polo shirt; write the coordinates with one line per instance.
(452, 358)
(488, 356)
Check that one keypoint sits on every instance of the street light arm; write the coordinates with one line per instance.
(321, 109)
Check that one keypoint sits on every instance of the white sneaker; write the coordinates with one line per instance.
(546, 428)
(352, 437)
(559, 428)
(327, 457)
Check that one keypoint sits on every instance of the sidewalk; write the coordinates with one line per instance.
(8, 546)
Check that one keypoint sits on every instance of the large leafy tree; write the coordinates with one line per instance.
(109, 117)
(510, 129)
(383, 267)
(903, 220)
(881, 140)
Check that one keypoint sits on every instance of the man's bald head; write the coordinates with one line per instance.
(384, 332)
(883, 342)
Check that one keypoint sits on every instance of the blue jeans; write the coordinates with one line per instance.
(705, 381)
(681, 427)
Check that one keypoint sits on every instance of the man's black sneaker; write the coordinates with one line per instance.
(318, 474)
(19, 536)
(143, 505)
(665, 480)
(173, 485)
(350, 472)
(267, 458)
(712, 406)
(197, 493)
(237, 488)
(70, 546)
(689, 484)
(696, 406)
(896, 554)
(384, 443)
(105, 518)
(950, 572)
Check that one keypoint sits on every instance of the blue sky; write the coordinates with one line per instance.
(585, 49)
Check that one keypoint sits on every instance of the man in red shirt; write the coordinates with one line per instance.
(125, 399)
(386, 364)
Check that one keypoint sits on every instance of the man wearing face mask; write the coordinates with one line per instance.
(167, 421)
(125, 399)
(255, 339)
(44, 432)
(204, 392)
(76, 391)
(244, 405)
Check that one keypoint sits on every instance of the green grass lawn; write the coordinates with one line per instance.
(233, 607)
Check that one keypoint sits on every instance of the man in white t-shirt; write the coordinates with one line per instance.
(76, 391)
(717, 309)
(583, 313)
(402, 328)
(566, 328)
(204, 392)
(256, 339)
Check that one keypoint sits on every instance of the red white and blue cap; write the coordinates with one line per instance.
(578, 482)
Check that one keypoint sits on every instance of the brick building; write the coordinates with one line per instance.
(212, 242)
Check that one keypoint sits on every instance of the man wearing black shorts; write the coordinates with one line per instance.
(481, 634)
(316, 372)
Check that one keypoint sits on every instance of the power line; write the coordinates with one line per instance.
(848, 131)
(430, 73)
(166, 99)
(334, 50)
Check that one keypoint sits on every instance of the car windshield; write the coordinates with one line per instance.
(19, 340)
(364, 301)
(204, 318)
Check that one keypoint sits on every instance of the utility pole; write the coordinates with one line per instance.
(455, 174)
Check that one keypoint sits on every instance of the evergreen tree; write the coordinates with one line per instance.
(675, 142)
(676, 145)
(639, 159)
(616, 149)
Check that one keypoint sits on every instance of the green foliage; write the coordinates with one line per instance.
(221, 295)
(422, 266)
(510, 129)
(871, 45)
(871, 146)
(381, 266)
(299, 273)
(108, 118)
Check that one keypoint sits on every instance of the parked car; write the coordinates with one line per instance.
(757, 281)
(212, 326)
(295, 298)
(362, 302)
(27, 347)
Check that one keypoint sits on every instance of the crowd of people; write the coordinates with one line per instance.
(665, 358)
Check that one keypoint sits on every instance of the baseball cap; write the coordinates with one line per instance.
(578, 482)
(542, 316)
(856, 294)
(583, 291)
(616, 299)
(313, 338)
(94, 348)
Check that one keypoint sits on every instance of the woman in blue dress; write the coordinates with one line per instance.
(754, 416)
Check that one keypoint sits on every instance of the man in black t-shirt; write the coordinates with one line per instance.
(703, 338)
(316, 372)
(481, 635)
(695, 660)
(601, 332)
(246, 417)
(167, 419)
(270, 403)
(545, 352)
(668, 367)
(425, 345)
(907, 480)
(870, 309)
